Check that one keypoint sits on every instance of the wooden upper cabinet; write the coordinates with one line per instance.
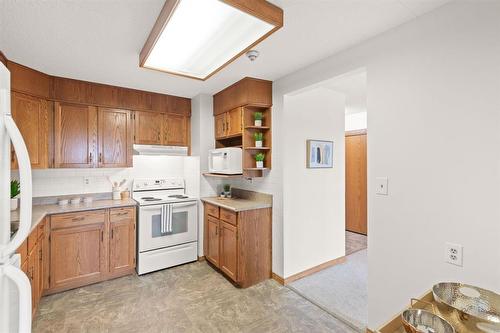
(234, 122)
(75, 135)
(114, 138)
(70, 90)
(175, 130)
(122, 240)
(248, 91)
(178, 105)
(135, 99)
(148, 128)
(229, 250)
(220, 126)
(31, 115)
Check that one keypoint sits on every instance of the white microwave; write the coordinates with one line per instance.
(226, 161)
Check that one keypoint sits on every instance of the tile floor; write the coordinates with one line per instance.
(354, 242)
(188, 298)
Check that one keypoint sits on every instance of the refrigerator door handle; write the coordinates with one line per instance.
(24, 291)
(23, 162)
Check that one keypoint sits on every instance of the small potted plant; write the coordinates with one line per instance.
(258, 139)
(227, 190)
(259, 160)
(257, 116)
(15, 189)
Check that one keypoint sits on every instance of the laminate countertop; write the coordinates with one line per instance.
(39, 212)
(237, 204)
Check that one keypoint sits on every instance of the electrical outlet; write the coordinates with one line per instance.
(453, 254)
(86, 180)
(381, 186)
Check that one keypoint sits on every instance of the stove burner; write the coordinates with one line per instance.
(178, 196)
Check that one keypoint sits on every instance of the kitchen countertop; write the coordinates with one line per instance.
(40, 211)
(238, 204)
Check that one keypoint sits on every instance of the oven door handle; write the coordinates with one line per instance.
(170, 217)
(163, 217)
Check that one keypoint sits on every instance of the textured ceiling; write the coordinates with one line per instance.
(100, 40)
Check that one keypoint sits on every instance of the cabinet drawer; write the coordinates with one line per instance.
(32, 239)
(77, 219)
(212, 210)
(228, 216)
(120, 214)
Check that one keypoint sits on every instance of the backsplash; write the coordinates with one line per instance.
(60, 182)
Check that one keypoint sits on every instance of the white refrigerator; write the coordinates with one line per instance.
(15, 289)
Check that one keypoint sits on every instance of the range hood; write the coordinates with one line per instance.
(160, 150)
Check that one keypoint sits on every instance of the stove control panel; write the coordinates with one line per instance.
(158, 184)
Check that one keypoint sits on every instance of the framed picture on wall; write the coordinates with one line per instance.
(319, 154)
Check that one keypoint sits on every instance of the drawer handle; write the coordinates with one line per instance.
(76, 219)
(121, 214)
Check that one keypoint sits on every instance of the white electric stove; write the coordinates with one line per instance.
(168, 224)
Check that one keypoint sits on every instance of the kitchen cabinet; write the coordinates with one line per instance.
(34, 276)
(122, 241)
(229, 124)
(148, 128)
(114, 138)
(175, 130)
(356, 182)
(212, 241)
(220, 126)
(78, 251)
(228, 250)
(31, 115)
(75, 135)
(247, 91)
(239, 243)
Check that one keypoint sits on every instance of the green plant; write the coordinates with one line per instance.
(258, 136)
(257, 115)
(227, 187)
(259, 157)
(15, 188)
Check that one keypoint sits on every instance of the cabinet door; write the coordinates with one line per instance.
(212, 240)
(122, 243)
(229, 250)
(75, 136)
(148, 127)
(220, 126)
(115, 138)
(175, 130)
(77, 256)
(32, 118)
(34, 276)
(234, 123)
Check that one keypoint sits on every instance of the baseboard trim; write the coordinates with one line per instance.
(314, 269)
(278, 279)
(202, 258)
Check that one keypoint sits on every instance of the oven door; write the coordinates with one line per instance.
(183, 227)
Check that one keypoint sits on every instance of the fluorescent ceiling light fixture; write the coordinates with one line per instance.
(197, 38)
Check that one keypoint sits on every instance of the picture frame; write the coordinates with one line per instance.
(319, 154)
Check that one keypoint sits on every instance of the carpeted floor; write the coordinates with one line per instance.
(340, 290)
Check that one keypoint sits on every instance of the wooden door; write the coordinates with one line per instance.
(229, 250)
(175, 130)
(75, 136)
(220, 126)
(212, 240)
(234, 122)
(31, 115)
(77, 256)
(148, 127)
(115, 138)
(122, 246)
(355, 189)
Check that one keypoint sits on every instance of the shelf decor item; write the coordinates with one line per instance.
(15, 190)
(257, 117)
(258, 139)
(259, 160)
(227, 190)
(319, 154)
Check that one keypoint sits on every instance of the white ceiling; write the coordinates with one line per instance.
(100, 40)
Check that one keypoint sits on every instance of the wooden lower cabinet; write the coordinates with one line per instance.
(239, 244)
(71, 250)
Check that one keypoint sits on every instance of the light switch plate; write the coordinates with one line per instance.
(381, 186)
